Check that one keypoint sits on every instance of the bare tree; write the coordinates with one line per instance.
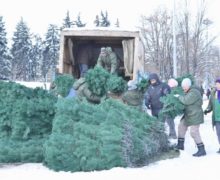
(157, 35)
(193, 42)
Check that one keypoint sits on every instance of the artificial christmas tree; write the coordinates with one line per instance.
(88, 137)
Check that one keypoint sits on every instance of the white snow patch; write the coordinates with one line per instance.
(35, 84)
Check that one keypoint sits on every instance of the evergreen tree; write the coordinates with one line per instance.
(50, 51)
(21, 47)
(78, 22)
(104, 20)
(67, 23)
(97, 21)
(5, 65)
(117, 23)
(36, 58)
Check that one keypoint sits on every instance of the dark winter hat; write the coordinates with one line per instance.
(153, 76)
(217, 80)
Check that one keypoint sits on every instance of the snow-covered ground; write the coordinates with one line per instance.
(185, 167)
(44, 85)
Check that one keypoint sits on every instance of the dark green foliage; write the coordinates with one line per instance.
(143, 85)
(97, 21)
(172, 107)
(26, 117)
(116, 84)
(63, 83)
(104, 19)
(25, 112)
(78, 22)
(21, 52)
(50, 51)
(12, 151)
(67, 22)
(97, 80)
(88, 137)
(5, 64)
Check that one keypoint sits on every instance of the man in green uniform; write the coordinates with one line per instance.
(193, 117)
(108, 60)
(133, 97)
(82, 91)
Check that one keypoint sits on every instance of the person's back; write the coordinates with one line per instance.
(82, 91)
(133, 97)
(84, 57)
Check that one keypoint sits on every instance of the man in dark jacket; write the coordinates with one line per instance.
(84, 58)
(156, 90)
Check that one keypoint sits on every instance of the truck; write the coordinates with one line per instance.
(127, 45)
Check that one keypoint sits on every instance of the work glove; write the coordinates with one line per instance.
(205, 112)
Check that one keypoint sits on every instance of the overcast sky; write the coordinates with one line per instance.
(38, 14)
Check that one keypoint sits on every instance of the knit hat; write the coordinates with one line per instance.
(172, 82)
(186, 82)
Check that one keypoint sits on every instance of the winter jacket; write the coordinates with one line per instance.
(153, 94)
(211, 106)
(193, 113)
(108, 62)
(82, 91)
(133, 98)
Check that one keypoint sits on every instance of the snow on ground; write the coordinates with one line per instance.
(184, 167)
(44, 85)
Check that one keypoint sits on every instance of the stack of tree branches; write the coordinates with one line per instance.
(25, 121)
(62, 84)
(88, 137)
(172, 107)
(116, 84)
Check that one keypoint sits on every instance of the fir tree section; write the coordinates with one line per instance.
(97, 80)
(172, 107)
(26, 117)
(62, 84)
(116, 84)
(87, 137)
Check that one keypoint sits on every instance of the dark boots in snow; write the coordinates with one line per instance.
(180, 144)
(201, 150)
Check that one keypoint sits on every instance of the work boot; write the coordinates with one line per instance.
(180, 144)
(201, 150)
